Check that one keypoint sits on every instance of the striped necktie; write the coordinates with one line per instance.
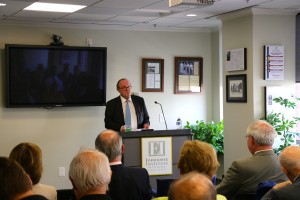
(128, 115)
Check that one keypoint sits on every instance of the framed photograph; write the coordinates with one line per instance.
(153, 75)
(188, 75)
(236, 88)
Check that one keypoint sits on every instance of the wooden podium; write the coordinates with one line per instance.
(132, 143)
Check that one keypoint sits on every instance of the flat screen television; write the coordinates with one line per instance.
(55, 76)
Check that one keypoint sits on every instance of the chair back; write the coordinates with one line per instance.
(263, 188)
(163, 186)
(249, 196)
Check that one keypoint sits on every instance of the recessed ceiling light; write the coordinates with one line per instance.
(54, 7)
(2, 4)
(191, 15)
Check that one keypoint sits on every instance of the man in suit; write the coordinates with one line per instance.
(15, 183)
(192, 185)
(90, 175)
(290, 165)
(115, 112)
(126, 183)
(244, 175)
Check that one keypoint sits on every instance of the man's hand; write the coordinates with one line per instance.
(146, 126)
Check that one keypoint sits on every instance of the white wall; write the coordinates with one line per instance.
(61, 132)
(253, 32)
(237, 33)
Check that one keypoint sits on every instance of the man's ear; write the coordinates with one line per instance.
(122, 149)
(252, 140)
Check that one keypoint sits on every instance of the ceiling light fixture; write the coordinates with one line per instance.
(191, 15)
(153, 11)
(191, 3)
(2, 4)
(54, 7)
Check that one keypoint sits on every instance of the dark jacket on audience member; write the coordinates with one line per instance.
(34, 197)
(129, 183)
(289, 192)
(96, 197)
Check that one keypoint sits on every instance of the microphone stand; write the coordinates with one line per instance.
(162, 113)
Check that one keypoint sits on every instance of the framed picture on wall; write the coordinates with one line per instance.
(274, 62)
(236, 88)
(188, 75)
(152, 75)
(236, 59)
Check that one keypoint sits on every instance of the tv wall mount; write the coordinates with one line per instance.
(57, 40)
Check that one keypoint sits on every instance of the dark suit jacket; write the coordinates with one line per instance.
(114, 116)
(243, 176)
(129, 183)
(289, 192)
(35, 197)
(95, 197)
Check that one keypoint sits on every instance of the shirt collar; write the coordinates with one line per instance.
(115, 163)
(263, 151)
(124, 100)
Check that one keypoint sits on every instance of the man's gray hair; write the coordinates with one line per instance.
(111, 146)
(262, 132)
(90, 169)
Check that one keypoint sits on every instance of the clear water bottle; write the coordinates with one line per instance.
(179, 123)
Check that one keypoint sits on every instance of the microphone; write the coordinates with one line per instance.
(162, 113)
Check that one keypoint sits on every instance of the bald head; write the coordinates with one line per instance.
(290, 161)
(110, 143)
(199, 187)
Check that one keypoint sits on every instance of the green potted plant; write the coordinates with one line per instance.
(210, 132)
(285, 126)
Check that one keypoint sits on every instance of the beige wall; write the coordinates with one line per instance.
(61, 132)
(253, 32)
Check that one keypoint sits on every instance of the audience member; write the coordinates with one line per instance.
(126, 183)
(198, 156)
(15, 183)
(243, 176)
(29, 156)
(290, 165)
(115, 113)
(191, 186)
(90, 175)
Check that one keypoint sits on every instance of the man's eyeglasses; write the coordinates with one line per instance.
(125, 88)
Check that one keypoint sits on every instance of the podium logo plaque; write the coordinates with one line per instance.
(157, 155)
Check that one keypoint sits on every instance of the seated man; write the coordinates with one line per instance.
(243, 176)
(192, 185)
(290, 165)
(15, 183)
(126, 183)
(90, 175)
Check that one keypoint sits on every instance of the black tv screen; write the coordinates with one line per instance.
(55, 76)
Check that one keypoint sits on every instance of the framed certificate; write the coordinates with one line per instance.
(153, 75)
(188, 75)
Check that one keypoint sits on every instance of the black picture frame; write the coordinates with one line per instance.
(236, 88)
